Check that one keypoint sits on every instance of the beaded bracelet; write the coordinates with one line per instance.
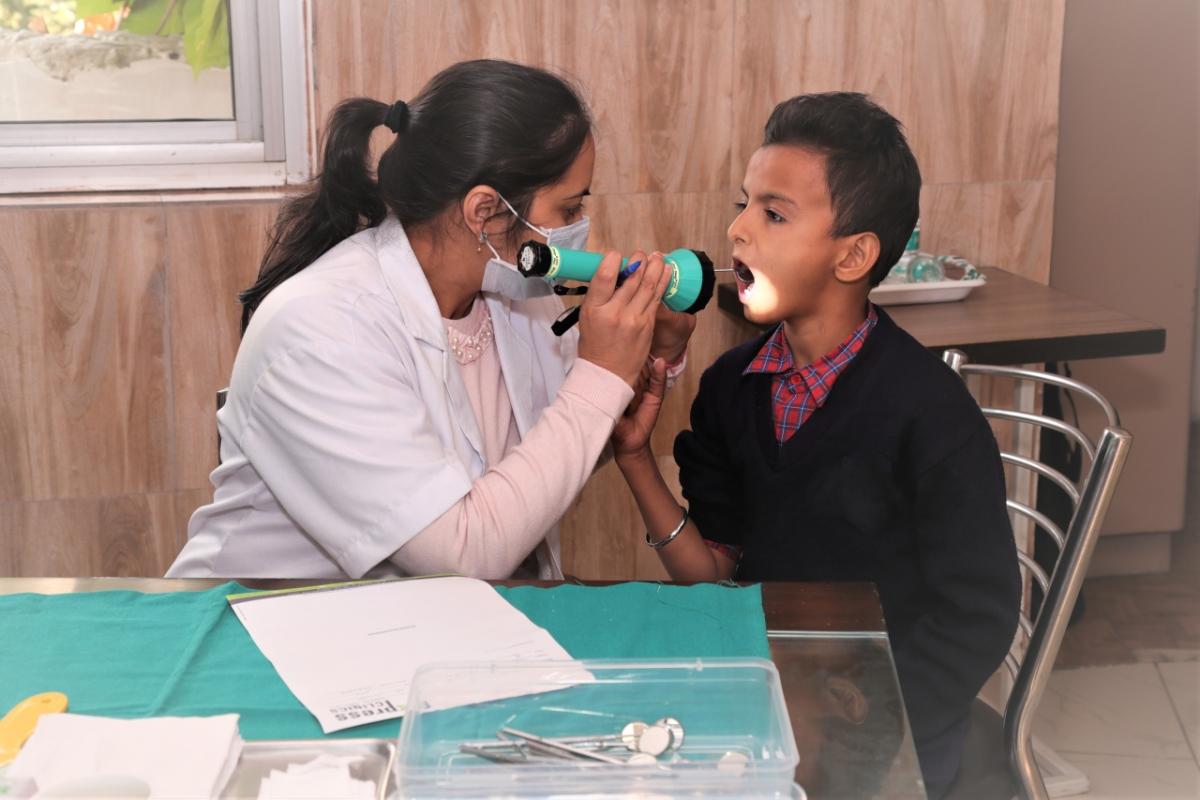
(671, 536)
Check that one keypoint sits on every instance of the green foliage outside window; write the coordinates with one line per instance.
(203, 24)
(57, 15)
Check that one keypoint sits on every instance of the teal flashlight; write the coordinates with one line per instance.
(692, 276)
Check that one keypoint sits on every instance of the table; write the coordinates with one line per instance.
(1013, 320)
(815, 630)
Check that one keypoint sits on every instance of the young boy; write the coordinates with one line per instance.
(835, 447)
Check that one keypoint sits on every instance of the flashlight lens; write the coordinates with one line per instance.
(527, 259)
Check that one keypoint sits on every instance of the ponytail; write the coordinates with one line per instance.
(342, 200)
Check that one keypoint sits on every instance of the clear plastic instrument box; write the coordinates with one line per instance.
(730, 734)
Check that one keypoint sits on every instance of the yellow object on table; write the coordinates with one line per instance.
(19, 722)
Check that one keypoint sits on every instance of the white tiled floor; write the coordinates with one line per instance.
(1183, 684)
(1133, 729)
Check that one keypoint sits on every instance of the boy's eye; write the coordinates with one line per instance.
(771, 215)
(740, 205)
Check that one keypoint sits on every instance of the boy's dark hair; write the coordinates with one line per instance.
(873, 178)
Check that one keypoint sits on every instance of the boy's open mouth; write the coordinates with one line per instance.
(743, 273)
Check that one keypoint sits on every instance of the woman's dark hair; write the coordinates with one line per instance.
(509, 126)
(873, 179)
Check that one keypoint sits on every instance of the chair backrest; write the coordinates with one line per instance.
(222, 394)
(1090, 498)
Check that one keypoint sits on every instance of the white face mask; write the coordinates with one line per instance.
(569, 237)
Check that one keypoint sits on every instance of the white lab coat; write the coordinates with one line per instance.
(348, 429)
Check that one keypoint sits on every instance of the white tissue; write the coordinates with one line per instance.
(175, 756)
(323, 778)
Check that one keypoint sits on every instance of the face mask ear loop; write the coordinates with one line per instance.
(540, 231)
(486, 242)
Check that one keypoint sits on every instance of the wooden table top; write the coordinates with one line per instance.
(1013, 320)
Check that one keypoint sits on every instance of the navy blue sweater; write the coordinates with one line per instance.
(895, 480)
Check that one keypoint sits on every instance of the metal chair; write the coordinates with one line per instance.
(998, 760)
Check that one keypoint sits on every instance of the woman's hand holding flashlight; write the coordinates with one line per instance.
(616, 323)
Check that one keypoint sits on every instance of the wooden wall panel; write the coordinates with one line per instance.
(355, 52)
(85, 373)
(213, 253)
(659, 78)
(17, 306)
(1008, 225)
(136, 534)
(790, 47)
(670, 135)
(983, 98)
(428, 37)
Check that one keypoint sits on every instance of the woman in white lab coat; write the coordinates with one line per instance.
(399, 404)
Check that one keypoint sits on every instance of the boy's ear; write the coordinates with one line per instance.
(846, 700)
(860, 254)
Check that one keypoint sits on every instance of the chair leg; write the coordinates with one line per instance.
(1029, 776)
(1061, 777)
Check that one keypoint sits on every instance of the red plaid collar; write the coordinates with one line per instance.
(775, 357)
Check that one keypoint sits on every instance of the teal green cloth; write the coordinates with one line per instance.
(128, 654)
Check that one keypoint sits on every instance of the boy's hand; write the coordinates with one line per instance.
(639, 387)
(631, 436)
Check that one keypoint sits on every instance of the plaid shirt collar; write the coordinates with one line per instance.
(775, 358)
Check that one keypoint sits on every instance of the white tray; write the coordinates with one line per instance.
(900, 294)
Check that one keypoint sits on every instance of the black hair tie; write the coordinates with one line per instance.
(396, 117)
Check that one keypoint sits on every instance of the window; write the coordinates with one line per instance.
(152, 94)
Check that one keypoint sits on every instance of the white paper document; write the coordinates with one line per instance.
(348, 653)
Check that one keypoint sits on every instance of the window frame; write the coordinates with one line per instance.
(268, 143)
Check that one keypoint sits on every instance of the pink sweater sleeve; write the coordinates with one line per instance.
(490, 531)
